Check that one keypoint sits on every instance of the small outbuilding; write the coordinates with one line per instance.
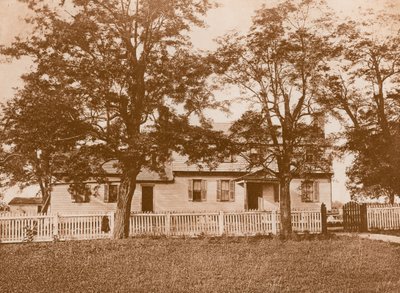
(26, 205)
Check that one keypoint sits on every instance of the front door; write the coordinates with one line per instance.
(254, 191)
(147, 198)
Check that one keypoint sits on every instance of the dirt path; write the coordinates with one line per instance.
(372, 236)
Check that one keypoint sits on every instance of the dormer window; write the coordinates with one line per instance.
(255, 156)
(230, 159)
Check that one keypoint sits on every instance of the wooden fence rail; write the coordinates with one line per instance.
(82, 227)
(383, 218)
(26, 228)
(366, 217)
(20, 228)
(222, 223)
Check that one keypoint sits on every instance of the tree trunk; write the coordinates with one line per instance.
(391, 197)
(123, 212)
(285, 208)
(45, 191)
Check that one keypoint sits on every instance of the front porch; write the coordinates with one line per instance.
(261, 191)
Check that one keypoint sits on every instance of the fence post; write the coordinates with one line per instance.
(274, 222)
(221, 223)
(363, 218)
(55, 226)
(324, 223)
(112, 223)
(168, 224)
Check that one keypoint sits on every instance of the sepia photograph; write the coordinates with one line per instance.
(199, 146)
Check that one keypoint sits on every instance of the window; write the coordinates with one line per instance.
(310, 191)
(230, 159)
(255, 159)
(225, 190)
(111, 192)
(80, 192)
(197, 190)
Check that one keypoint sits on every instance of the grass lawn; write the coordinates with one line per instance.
(201, 265)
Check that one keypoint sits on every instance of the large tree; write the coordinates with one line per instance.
(363, 93)
(37, 132)
(278, 66)
(131, 66)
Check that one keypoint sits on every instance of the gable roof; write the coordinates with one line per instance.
(145, 174)
(179, 164)
(26, 201)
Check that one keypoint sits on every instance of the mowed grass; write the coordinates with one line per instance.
(201, 265)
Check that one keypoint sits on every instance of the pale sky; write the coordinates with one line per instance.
(231, 15)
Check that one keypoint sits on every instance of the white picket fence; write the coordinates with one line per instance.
(222, 223)
(83, 227)
(19, 228)
(22, 228)
(383, 217)
(28, 227)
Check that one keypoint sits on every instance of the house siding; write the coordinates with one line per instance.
(166, 197)
(62, 203)
(295, 195)
(174, 197)
(324, 194)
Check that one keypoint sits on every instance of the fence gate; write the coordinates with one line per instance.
(355, 217)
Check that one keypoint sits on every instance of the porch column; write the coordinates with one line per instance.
(246, 206)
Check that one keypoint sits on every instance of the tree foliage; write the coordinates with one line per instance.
(278, 66)
(130, 66)
(38, 130)
(363, 94)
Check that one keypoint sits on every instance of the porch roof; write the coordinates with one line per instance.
(258, 176)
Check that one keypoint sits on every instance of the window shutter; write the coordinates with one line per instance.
(232, 190)
(190, 189)
(303, 191)
(276, 192)
(218, 190)
(113, 190)
(203, 190)
(73, 197)
(106, 191)
(86, 193)
(316, 191)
